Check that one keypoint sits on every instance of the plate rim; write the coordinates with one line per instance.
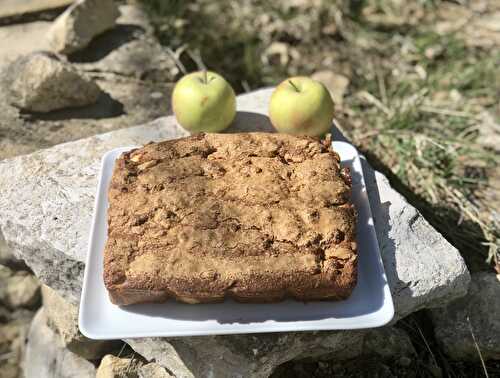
(378, 318)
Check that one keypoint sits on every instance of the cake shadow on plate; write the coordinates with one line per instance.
(254, 313)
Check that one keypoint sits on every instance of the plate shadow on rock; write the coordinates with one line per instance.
(380, 214)
(108, 41)
(105, 107)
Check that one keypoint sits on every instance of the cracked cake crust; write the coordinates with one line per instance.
(257, 217)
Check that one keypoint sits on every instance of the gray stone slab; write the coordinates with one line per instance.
(45, 212)
(48, 197)
(48, 211)
(241, 356)
(259, 355)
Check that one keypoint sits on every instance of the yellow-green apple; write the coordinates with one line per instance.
(204, 101)
(301, 106)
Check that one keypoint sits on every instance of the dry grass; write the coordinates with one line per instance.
(483, 364)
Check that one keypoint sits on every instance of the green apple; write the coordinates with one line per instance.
(301, 106)
(204, 101)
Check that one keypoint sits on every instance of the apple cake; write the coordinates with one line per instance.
(256, 217)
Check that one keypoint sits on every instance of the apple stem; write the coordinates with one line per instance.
(205, 76)
(293, 85)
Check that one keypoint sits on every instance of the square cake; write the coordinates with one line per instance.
(256, 217)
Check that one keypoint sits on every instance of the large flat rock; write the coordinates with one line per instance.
(48, 197)
(48, 226)
(258, 355)
(46, 205)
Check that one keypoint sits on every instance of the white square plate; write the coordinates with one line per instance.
(370, 305)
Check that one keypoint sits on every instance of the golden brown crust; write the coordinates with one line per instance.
(257, 217)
